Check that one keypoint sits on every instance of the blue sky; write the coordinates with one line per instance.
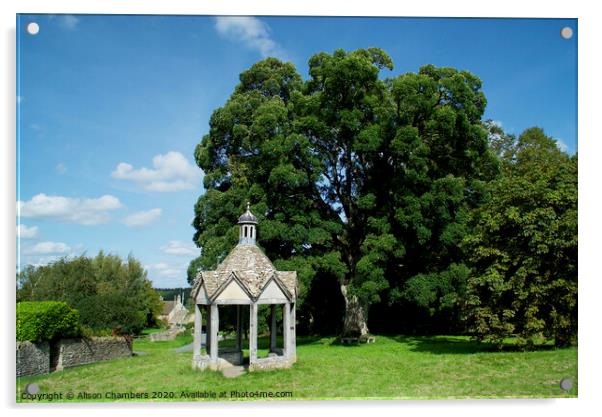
(110, 109)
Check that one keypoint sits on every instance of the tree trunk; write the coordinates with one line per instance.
(355, 322)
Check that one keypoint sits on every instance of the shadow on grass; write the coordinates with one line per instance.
(443, 344)
(431, 344)
(337, 342)
(459, 345)
(263, 342)
(310, 340)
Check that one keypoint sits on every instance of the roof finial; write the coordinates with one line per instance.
(248, 206)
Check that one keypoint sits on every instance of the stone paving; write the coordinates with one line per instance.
(185, 348)
(234, 371)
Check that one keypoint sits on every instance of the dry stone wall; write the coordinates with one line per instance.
(73, 352)
(33, 358)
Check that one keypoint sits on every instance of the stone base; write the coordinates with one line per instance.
(226, 359)
(272, 362)
(229, 359)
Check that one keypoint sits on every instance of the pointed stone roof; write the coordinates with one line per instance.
(253, 270)
(250, 267)
(247, 216)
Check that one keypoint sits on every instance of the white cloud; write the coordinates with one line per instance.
(158, 266)
(165, 270)
(45, 253)
(142, 218)
(61, 168)
(251, 31)
(562, 145)
(38, 261)
(164, 275)
(47, 248)
(68, 21)
(171, 172)
(176, 247)
(25, 232)
(86, 211)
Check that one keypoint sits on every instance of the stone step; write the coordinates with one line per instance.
(233, 371)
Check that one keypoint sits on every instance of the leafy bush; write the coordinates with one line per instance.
(113, 311)
(90, 332)
(46, 320)
(107, 291)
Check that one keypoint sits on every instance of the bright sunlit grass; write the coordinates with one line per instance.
(393, 367)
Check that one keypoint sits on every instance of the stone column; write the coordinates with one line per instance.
(253, 333)
(214, 330)
(286, 328)
(273, 330)
(208, 331)
(293, 332)
(198, 323)
(238, 329)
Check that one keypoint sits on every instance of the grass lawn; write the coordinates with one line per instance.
(392, 368)
(152, 330)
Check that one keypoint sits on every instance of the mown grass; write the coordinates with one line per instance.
(392, 368)
(151, 330)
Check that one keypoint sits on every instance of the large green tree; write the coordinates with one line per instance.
(109, 293)
(252, 153)
(439, 163)
(364, 178)
(523, 247)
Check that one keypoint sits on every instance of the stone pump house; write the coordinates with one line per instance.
(243, 281)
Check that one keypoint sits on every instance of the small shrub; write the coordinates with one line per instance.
(46, 320)
(114, 311)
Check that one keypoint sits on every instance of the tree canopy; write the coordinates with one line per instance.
(523, 246)
(109, 293)
(365, 178)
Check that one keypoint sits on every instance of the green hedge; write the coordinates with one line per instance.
(46, 320)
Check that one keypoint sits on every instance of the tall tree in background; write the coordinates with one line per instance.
(343, 114)
(252, 153)
(524, 245)
(351, 175)
(439, 164)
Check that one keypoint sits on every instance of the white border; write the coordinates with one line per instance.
(457, 8)
(590, 345)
